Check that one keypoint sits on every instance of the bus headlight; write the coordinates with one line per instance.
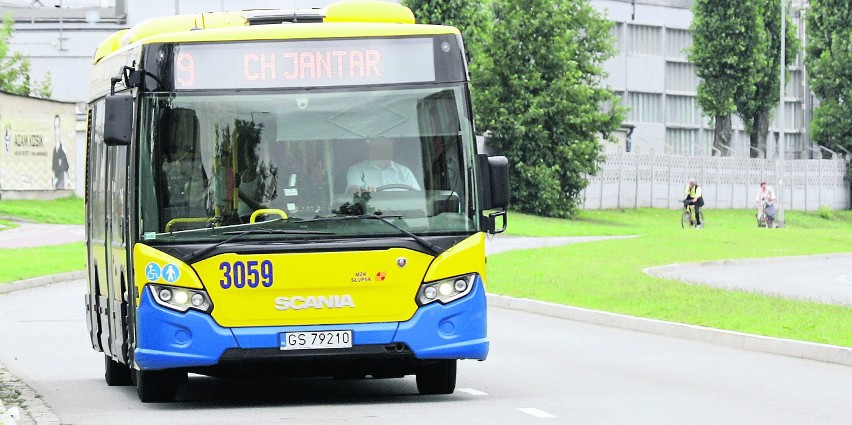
(445, 290)
(181, 299)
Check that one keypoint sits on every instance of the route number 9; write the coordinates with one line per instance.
(250, 273)
(185, 70)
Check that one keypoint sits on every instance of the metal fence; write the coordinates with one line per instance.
(634, 180)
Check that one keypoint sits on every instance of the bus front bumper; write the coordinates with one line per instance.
(170, 339)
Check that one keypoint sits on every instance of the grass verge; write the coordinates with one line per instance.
(608, 275)
(26, 263)
(69, 210)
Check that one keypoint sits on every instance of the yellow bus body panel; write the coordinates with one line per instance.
(382, 284)
(468, 256)
(112, 44)
(380, 290)
(300, 31)
(368, 11)
(183, 23)
(144, 255)
(273, 32)
(342, 19)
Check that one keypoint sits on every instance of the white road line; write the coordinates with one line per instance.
(471, 391)
(535, 412)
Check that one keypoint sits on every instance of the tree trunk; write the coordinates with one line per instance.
(760, 131)
(722, 137)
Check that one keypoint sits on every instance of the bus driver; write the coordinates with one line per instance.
(379, 170)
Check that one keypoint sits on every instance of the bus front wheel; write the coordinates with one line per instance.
(438, 377)
(154, 386)
(115, 373)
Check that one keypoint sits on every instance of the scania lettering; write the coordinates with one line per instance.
(299, 302)
(293, 193)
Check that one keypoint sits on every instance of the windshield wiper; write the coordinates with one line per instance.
(435, 249)
(240, 233)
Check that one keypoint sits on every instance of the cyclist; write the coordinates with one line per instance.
(765, 200)
(694, 198)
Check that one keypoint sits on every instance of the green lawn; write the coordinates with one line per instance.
(608, 275)
(58, 211)
(25, 263)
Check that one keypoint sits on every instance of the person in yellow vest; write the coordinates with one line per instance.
(695, 198)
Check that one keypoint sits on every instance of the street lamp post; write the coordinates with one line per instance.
(781, 125)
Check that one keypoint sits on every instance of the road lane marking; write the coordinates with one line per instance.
(471, 391)
(535, 412)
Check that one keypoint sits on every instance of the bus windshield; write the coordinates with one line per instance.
(292, 160)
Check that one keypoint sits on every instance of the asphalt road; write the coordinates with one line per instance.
(821, 278)
(540, 368)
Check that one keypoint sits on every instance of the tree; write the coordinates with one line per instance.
(543, 99)
(15, 68)
(829, 64)
(757, 97)
(724, 37)
(471, 17)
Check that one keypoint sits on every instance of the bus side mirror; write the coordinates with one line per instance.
(499, 169)
(494, 190)
(118, 123)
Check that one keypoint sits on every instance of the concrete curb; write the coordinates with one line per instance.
(785, 347)
(36, 411)
(40, 281)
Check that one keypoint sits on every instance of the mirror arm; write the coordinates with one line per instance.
(132, 78)
(492, 220)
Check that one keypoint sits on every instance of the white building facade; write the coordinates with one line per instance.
(658, 83)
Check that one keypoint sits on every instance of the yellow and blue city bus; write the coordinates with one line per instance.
(293, 193)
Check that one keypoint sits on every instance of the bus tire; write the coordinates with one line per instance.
(438, 377)
(156, 386)
(116, 374)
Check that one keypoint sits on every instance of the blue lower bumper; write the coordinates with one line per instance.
(170, 339)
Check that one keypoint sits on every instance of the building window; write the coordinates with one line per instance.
(645, 40)
(680, 77)
(618, 41)
(682, 110)
(644, 107)
(677, 43)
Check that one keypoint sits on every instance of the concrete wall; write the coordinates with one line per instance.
(637, 180)
(40, 150)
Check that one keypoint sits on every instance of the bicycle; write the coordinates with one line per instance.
(687, 218)
(764, 219)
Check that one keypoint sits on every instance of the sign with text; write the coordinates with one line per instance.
(308, 63)
(37, 151)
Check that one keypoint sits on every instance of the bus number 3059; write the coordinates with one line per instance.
(250, 273)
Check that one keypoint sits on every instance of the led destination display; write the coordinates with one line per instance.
(314, 63)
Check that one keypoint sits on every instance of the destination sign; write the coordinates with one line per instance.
(311, 63)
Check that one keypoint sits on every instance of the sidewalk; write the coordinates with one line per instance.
(28, 235)
(503, 243)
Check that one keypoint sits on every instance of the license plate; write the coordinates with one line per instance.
(315, 340)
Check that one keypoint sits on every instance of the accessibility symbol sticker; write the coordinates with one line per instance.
(171, 273)
(152, 272)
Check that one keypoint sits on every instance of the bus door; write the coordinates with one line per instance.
(96, 193)
(116, 250)
(106, 195)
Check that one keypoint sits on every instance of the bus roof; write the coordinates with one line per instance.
(345, 19)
